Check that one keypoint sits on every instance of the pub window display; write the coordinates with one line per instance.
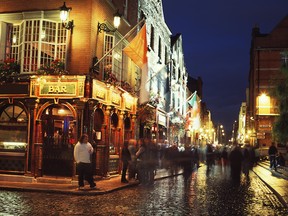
(13, 128)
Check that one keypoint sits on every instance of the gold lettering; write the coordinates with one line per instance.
(51, 89)
(57, 89)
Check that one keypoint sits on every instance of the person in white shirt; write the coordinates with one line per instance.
(82, 155)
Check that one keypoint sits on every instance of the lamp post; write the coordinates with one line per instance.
(116, 22)
(64, 15)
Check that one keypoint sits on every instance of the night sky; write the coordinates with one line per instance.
(216, 42)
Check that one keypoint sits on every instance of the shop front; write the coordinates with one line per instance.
(113, 122)
(14, 127)
(57, 121)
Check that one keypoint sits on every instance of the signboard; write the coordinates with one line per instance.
(54, 86)
(260, 135)
(56, 89)
(162, 119)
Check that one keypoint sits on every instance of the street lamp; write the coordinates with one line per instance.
(64, 14)
(104, 27)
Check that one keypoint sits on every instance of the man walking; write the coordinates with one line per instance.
(82, 154)
(272, 156)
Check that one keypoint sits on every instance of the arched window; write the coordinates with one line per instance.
(13, 128)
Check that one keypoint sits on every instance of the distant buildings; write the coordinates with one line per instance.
(267, 54)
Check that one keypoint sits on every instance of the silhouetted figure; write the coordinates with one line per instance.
(126, 158)
(132, 171)
(246, 162)
(280, 159)
(272, 156)
(187, 163)
(236, 163)
(209, 156)
(172, 157)
(142, 169)
(224, 157)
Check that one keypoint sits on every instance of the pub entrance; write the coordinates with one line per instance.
(59, 133)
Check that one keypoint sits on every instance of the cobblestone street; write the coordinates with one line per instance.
(205, 193)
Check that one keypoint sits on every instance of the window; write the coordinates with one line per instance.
(13, 128)
(152, 38)
(159, 48)
(35, 42)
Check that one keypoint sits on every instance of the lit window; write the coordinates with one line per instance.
(35, 42)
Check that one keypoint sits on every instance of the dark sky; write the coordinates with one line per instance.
(216, 42)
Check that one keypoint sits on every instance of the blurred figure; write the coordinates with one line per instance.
(141, 156)
(209, 156)
(280, 159)
(126, 158)
(246, 162)
(196, 158)
(152, 160)
(272, 156)
(171, 157)
(187, 162)
(224, 158)
(235, 159)
(132, 171)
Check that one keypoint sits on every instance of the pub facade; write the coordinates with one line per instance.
(56, 92)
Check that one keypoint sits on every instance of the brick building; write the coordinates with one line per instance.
(43, 112)
(266, 58)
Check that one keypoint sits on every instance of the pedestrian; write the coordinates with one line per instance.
(224, 157)
(142, 170)
(246, 162)
(126, 158)
(82, 155)
(235, 159)
(209, 157)
(280, 159)
(272, 156)
(132, 171)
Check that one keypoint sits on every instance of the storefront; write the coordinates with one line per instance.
(57, 121)
(113, 122)
(14, 124)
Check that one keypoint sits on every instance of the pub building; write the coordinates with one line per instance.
(41, 121)
(46, 106)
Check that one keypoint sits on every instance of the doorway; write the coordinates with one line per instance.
(59, 137)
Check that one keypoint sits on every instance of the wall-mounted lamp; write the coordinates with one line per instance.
(104, 27)
(64, 14)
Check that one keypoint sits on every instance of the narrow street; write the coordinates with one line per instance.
(205, 193)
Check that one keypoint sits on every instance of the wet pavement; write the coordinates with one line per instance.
(205, 193)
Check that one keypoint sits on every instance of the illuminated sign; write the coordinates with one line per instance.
(115, 99)
(56, 89)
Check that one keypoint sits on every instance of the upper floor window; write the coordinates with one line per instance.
(152, 38)
(159, 48)
(34, 42)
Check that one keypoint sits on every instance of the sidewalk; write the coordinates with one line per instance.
(66, 186)
(276, 181)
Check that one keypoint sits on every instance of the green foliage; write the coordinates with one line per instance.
(280, 127)
(56, 67)
(9, 67)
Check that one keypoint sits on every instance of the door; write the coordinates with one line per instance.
(58, 126)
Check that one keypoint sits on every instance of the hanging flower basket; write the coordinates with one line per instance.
(109, 77)
(9, 67)
(56, 67)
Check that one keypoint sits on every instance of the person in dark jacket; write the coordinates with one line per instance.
(235, 159)
(272, 156)
(126, 158)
